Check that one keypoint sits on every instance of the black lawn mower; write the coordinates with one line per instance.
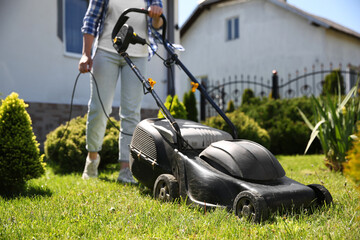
(205, 166)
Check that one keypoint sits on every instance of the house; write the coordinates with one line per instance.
(40, 49)
(245, 40)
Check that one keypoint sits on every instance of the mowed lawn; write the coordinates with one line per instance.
(67, 207)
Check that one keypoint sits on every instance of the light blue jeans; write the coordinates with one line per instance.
(107, 68)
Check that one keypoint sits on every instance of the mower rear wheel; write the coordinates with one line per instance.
(323, 196)
(250, 206)
(166, 188)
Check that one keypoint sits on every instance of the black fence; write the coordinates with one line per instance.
(305, 84)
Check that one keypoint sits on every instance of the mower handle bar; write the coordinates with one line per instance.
(122, 20)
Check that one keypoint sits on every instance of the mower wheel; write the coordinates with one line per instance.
(250, 206)
(323, 196)
(166, 188)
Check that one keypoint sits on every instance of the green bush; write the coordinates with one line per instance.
(288, 132)
(66, 152)
(190, 106)
(177, 110)
(352, 165)
(20, 158)
(246, 127)
(247, 96)
(230, 107)
(331, 83)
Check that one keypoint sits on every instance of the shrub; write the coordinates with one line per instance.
(230, 107)
(246, 127)
(332, 82)
(20, 158)
(334, 123)
(190, 106)
(247, 96)
(66, 150)
(288, 132)
(352, 166)
(177, 110)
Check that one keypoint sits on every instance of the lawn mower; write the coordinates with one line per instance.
(182, 159)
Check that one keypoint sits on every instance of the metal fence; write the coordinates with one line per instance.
(306, 84)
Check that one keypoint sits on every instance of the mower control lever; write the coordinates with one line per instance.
(126, 36)
(123, 18)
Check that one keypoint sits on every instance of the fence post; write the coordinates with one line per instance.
(275, 85)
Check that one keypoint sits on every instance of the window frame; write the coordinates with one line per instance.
(232, 26)
(64, 37)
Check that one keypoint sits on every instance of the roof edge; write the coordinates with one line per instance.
(312, 19)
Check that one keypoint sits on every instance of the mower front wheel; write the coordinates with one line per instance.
(250, 206)
(166, 188)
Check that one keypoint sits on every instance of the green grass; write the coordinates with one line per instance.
(66, 207)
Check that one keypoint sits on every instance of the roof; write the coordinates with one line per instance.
(313, 19)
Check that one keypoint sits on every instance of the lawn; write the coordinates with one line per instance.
(67, 207)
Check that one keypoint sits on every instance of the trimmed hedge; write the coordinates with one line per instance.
(67, 153)
(288, 132)
(20, 158)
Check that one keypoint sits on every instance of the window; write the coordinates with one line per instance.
(233, 28)
(73, 14)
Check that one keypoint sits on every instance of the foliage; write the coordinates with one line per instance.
(246, 127)
(247, 96)
(189, 101)
(66, 207)
(177, 110)
(334, 123)
(288, 132)
(332, 82)
(65, 146)
(20, 158)
(352, 165)
(230, 107)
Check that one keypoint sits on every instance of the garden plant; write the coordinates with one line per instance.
(20, 158)
(176, 108)
(189, 101)
(65, 146)
(335, 122)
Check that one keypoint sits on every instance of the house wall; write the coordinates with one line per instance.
(271, 38)
(33, 64)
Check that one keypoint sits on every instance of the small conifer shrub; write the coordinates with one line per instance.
(177, 108)
(20, 158)
(332, 82)
(230, 107)
(247, 96)
(190, 105)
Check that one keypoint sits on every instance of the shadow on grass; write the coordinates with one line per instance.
(26, 191)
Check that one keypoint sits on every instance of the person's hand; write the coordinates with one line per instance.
(155, 13)
(85, 63)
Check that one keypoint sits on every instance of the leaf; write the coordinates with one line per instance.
(306, 120)
(313, 135)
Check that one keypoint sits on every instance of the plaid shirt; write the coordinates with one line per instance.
(93, 22)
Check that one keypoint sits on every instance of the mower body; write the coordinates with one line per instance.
(216, 169)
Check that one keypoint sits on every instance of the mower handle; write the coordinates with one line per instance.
(123, 18)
